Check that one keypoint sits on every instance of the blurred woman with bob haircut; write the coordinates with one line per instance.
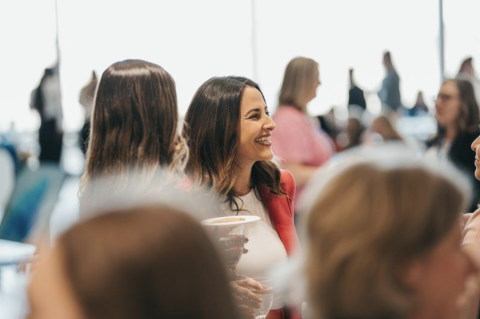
(299, 140)
(228, 129)
(134, 125)
(384, 242)
(144, 262)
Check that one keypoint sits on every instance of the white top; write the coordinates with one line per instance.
(12, 253)
(438, 155)
(52, 100)
(265, 249)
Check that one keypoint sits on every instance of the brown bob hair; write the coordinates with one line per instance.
(367, 223)
(211, 130)
(134, 123)
(145, 262)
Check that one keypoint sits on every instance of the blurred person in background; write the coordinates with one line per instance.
(228, 129)
(328, 123)
(420, 108)
(354, 132)
(384, 127)
(134, 128)
(361, 261)
(389, 93)
(46, 99)
(86, 99)
(298, 140)
(467, 72)
(145, 262)
(458, 117)
(355, 94)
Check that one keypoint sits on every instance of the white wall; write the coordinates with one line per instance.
(197, 39)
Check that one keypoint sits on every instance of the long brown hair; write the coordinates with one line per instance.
(468, 117)
(134, 123)
(211, 130)
(145, 262)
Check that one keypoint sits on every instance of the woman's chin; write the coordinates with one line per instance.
(477, 173)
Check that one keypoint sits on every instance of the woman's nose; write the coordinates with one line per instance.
(270, 124)
(475, 144)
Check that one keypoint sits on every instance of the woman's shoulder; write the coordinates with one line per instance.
(287, 112)
(287, 181)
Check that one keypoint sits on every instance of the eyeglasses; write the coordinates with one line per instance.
(445, 97)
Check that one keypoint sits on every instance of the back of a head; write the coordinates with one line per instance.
(134, 123)
(298, 80)
(358, 240)
(150, 262)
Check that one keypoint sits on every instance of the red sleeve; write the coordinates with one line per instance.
(288, 185)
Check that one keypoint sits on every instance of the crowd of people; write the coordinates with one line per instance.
(392, 237)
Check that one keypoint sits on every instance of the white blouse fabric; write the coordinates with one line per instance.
(265, 249)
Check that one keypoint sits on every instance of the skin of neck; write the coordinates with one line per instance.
(450, 132)
(243, 182)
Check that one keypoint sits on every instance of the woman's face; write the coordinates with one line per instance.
(439, 279)
(448, 104)
(50, 295)
(476, 149)
(254, 130)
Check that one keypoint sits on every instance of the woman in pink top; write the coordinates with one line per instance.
(298, 139)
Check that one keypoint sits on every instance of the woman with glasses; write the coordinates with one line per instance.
(457, 117)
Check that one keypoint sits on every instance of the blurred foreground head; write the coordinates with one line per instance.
(384, 242)
(148, 262)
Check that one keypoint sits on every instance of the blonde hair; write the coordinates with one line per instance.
(298, 80)
(366, 224)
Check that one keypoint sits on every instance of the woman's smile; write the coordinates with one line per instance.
(264, 140)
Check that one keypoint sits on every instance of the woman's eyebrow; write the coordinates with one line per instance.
(253, 110)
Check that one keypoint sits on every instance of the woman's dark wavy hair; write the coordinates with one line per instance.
(211, 130)
(134, 124)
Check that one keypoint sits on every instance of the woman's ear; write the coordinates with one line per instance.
(412, 272)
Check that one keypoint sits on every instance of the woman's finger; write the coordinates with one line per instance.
(249, 282)
(248, 295)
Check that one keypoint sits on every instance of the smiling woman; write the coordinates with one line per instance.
(228, 129)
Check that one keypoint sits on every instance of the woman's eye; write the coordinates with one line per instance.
(255, 116)
(267, 112)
